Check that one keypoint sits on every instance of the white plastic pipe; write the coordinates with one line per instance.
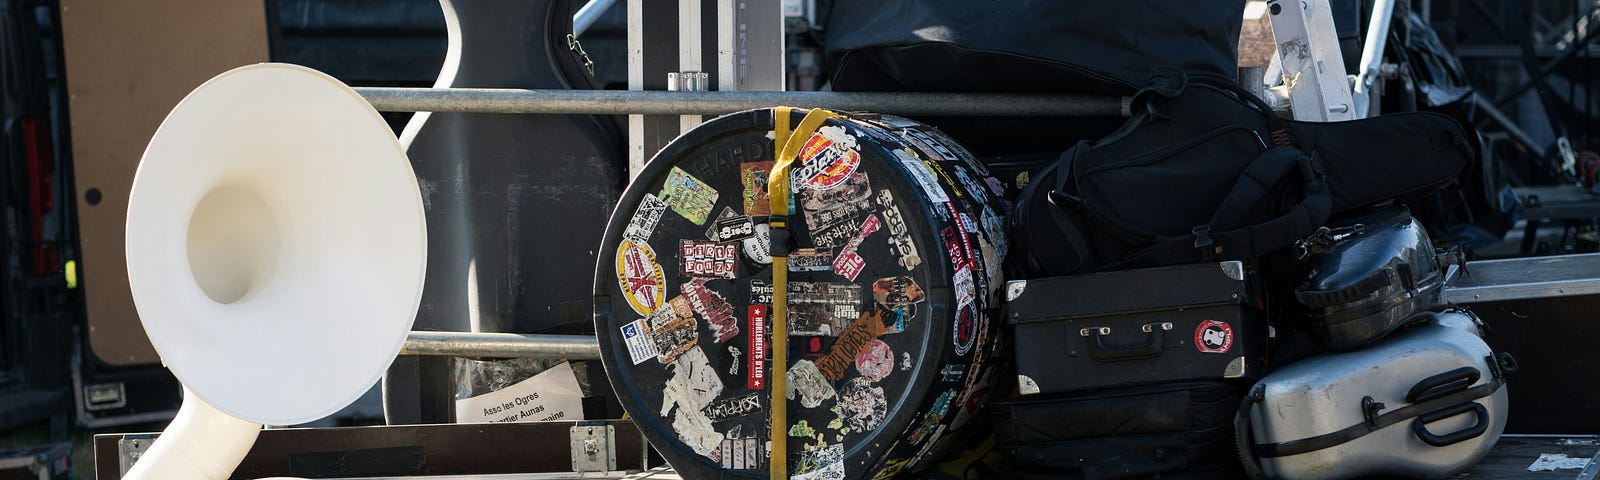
(201, 443)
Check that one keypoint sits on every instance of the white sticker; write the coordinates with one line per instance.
(644, 219)
(807, 382)
(966, 291)
(924, 177)
(693, 386)
(759, 246)
(640, 347)
(551, 395)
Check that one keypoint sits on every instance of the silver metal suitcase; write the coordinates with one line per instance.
(1427, 402)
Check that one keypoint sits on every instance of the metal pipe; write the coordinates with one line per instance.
(1515, 132)
(590, 13)
(655, 102)
(501, 345)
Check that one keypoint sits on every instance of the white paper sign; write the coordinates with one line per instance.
(551, 395)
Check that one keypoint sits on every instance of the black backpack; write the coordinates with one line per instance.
(1206, 171)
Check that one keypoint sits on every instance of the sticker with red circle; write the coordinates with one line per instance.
(1213, 337)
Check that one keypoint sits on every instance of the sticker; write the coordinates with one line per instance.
(693, 385)
(811, 260)
(673, 330)
(905, 361)
(848, 196)
(999, 189)
(899, 235)
(644, 219)
(931, 143)
(967, 225)
(952, 245)
(876, 361)
(863, 403)
(640, 347)
(802, 429)
(733, 366)
(966, 291)
(952, 373)
(995, 228)
(707, 259)
(924, 177)
(965, 330)
(732, 228)
(822, 309)
(757, 378)
(835, 226)
(715, 309)
(824, 463)
(1213, 337)
(972, 187)
(760, 292)
(688, 196)
(836, 234)
(744, 453)
(640, 276)
(849, 263)
(897, 292)
(892, 469)
(754, 175)
(758, 248)
(733, 407)
(962, 231)
(827, 159)
(808, 384)
(941, 406)
(856, 337)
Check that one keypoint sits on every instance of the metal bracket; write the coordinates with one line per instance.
(594, 447)
(1313, 68)
(130, 448)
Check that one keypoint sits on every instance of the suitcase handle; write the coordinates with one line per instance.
(1109, 353)
(1443, 384)
(1420, 425)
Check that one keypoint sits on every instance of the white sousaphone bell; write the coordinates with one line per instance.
(276, 245)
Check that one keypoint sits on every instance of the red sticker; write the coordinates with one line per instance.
(757, 368)
(1213, 337)
(707, 259)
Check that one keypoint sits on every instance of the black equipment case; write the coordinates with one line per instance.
(1145, 431)
(1366, 275)
(1134, 327)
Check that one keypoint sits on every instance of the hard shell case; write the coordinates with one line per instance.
(1366, 275)
(1136, 327)
(1427, 402)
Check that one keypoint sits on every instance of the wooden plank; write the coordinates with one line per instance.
(127, 64)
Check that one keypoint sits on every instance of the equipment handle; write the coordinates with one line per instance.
(1420, 425)
(1443, 384)
(1109, 353)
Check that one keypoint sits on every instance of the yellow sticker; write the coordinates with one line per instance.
(640, 277)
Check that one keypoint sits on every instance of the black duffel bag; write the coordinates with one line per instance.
(1205, 171)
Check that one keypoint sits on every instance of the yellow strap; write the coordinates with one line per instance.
(786, 146)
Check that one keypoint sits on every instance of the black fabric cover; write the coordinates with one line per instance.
(1204, 171)
(1182, 429)
(1025, 45)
